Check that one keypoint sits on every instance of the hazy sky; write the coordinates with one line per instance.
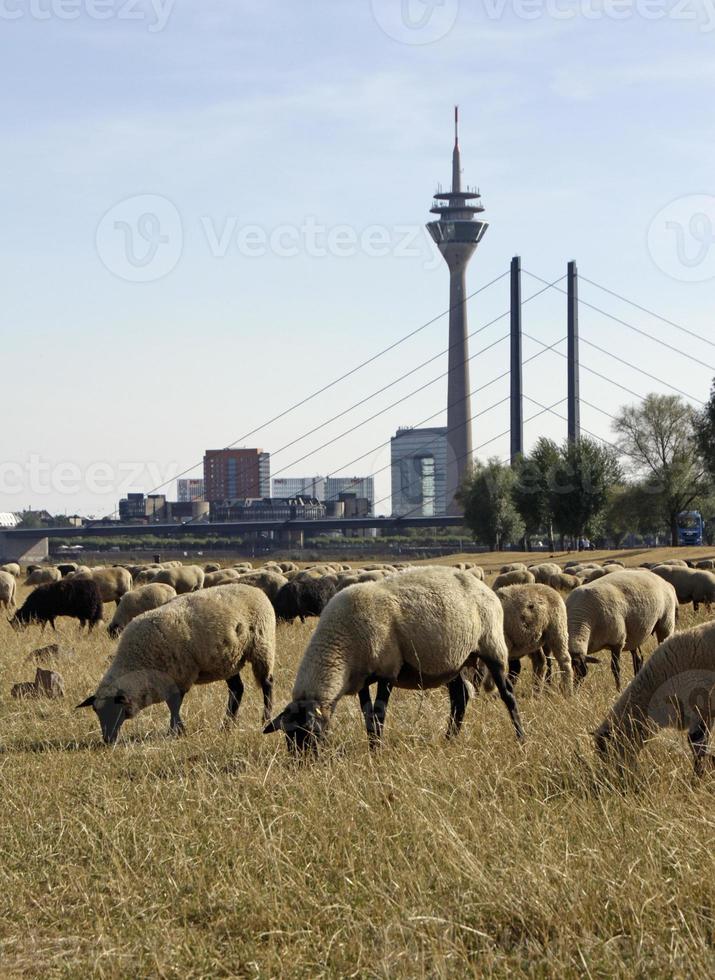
(210, 210)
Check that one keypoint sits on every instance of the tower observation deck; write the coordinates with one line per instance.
(457, 233)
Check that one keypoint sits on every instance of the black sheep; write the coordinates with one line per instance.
(306, 597)
(79, 598)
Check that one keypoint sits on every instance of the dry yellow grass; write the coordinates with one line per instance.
(214, 855)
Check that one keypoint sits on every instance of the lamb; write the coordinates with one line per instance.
(302, 598)
(414, 630)
(267, 581)
(196, 638)
(138, 601)
(12, 568)
(535, 622)
(112, 583)
(691, 585)
(675, 689)
(618, 612)
(515, 577)
(43, 576)
(183, 578)
(8, 590)
(78, 598)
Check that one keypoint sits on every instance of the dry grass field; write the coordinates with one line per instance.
(214, 855)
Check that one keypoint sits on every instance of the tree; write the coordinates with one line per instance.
(581, 482)
(630, 510)
(489, 510)
(532, 488)
(705, 433)
(660, 438)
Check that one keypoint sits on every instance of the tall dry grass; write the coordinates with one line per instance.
(215, 855)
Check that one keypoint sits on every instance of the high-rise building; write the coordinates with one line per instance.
(230, 474)
(359, 486)
(299, 486)
(189, 489)
(457, 235)
(419, 472)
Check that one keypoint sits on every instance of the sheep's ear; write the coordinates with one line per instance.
(87, 703)
(277, 724)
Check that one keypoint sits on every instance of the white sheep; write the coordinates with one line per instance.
(691, 585)
(517, 576)
(112, 583)
(418, 629)
(675, 689)
(222, 577)
(183, 578)
(534, 625)
(43, 576)
(618, 612)
(196, 638)
(515, 566)
(12, 568)
(8, 590)
(138, 601)
(269, 581)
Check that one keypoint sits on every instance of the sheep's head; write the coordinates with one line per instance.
(113, 630)
(112, 710)
(304, 723)
(580, 665)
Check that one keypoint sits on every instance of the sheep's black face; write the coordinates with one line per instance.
(304, 724)
(112, 712)
(580, 667)
(602, 739)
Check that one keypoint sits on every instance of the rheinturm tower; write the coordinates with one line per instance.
(457, 234)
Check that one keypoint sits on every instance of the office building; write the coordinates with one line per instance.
(419, 472)
(231, 474)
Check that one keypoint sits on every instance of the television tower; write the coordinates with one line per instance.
(457, 235)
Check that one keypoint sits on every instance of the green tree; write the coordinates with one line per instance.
(705, 433)
(489, 510)
(631, 509)
(581, 482)
(532, 488)
(659, 436)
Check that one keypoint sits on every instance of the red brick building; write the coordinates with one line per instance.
(230, 474)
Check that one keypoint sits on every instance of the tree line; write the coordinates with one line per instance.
(660, 463)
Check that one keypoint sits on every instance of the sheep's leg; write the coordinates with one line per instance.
(514, 671)
(458, 701)
(637, 657)
(173, 703)
(368, 712)
(699, 738)
(506, 693)
(235, 693)
(384, 690)
(267, 689)
(539, 663)
(616, 665)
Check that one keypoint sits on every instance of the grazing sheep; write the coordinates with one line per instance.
(184, 578)
(12, 568)
(43, 576)
(67, 567)
(112, 583)
(267, 581)
(302, 598)
(288, 566)
(592, 574)
(549, 574)
(675, 689)
(196, 638)
(614, 561)
(618, 612)
(212, 566)
(344, 580)
(691, 585)
(146, 575)
(518, 576)
(679, 562)
(78, 598)
(534, 624)
(706, 563)
(515, 566)
(138, 601)
(414, 630)
(8, 590)
(222, 577)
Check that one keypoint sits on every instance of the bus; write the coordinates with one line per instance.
(690, 527)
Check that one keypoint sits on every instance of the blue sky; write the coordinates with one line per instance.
(241, 126)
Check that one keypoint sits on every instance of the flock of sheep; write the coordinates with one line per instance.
(392, 626)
